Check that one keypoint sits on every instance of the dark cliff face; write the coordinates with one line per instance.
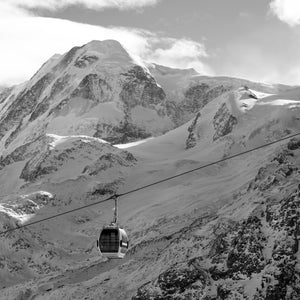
(93, 88)
(30, 102)
(23, 105)
(46, 161)
(40, 109)
(191, 140)
(124, 132)
(66, 59)
(85, 61)
(107, 161)
(194, 99)
(224, 122)
(4, 93)
(25, 151)
(185, 280)
(140, 88)
(58, 86)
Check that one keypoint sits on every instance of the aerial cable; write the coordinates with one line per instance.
(208, 165)
(115, 196)
(57, 215)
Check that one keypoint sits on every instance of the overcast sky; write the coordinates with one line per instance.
(253, 39)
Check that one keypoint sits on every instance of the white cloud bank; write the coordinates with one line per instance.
(181, 53)
(287, 11)
(27, 41)
(93, 4)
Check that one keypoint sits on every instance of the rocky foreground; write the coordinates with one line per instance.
(255, 258)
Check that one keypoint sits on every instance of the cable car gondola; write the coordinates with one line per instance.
(113, 241)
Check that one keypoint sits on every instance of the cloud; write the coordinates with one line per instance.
(257, 62)
(287, 11)
(92, 4)
(27, 41)
(180, 53)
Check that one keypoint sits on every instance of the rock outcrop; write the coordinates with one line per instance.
(186, 280)
(197, 96)
(191, 140)
(80, 150)
(223, 122)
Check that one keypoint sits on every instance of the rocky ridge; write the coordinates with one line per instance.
(99, 90)
(48, 163)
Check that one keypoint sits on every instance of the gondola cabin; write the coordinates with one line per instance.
(113, 242)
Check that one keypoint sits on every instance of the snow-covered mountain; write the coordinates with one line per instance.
(230, 231)
(99, 90)
(95, 90)
(254, 117)
(188, 91)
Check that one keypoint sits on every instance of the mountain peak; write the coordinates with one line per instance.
(165, 70)
(104, 45)
(108, 49)
(102, 53)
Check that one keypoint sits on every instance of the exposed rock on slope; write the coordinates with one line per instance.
(139, 94)
(4, 93)
(185, 280)
(223, 121)
(191, 140)
(197, 96)
(23, 105)
(26, 151)
(94, 88)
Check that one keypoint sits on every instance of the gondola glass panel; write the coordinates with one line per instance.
(109, 241)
